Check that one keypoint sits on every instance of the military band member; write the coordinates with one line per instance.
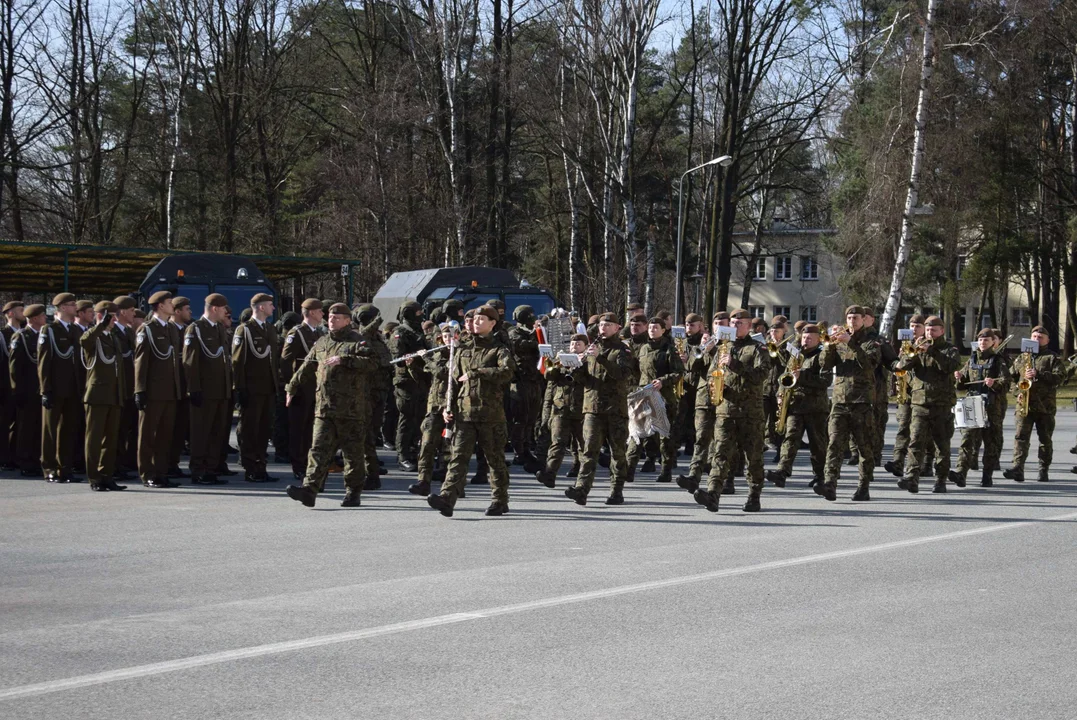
(932, 367)
(659, 364)
(411, 384)
(881, 406)
(853, 355)
(297, 344)
(525, 393)
(123, 330)
(776, 335)
(104, 398)
(341, 363)
(896, 467)
(26, 391)
(984, 374)
(480, 372)
(1046, 372)
(157, 390)
(808, 410)
(699, 367)
(432, 447)
(566, 416)
(368, 319)
(637, 340)
(180, 320)
(694, 328)
(59, 370)
(208, 370)
(255, 353)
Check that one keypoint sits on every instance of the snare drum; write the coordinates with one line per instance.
(969, 413)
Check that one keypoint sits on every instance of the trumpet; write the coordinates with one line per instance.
(843, 329)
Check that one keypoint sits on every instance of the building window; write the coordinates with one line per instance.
(757, 311)
(1021, 317)
(962, 262)
(809, 269)
(782, 310)
(985, 321)
(783, 267)
(760, 269)
(809, 313)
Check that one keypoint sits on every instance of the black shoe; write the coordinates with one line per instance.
(815, 481)
(517, 459)
(688, 483)
(420, 488)
(372, 482)
(648, 466)
(777, 477)
(603, 460)
(665, 476)
(200, 480)
(216, 480)
(913, 487)
(176, 472)
(893, 468)
(903, 484)
(578, 495)
(728, 488)
(753, 503)
(1043, 475)
(573, 471)
(548, 479)
(861, 494)
(975, 464)
(940, 487)
(827, 491)
(441, 504)
(156, 483)
(225, 471)
(986, 480)
(302, 493)
(351, 499)
(957, 478)
(616, 498)
(1015, 474)
(388, 446)
(111, 485)
(406, 465)
(70, 479)
(53, 477)
(251, 477)
(382, 471)
(98, 487)
(30, 473)
(532, 464)
(481, 478)
(707, 499)
(497, 509)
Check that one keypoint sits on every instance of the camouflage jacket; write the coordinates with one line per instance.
(933, 373)
(489, 367)
(700, 367)
(984, 365)
(691, 378)
(371, 333)
(809, 394)
(744, 378)
(635, 343)
(525, 351)
(407, 339)
(658, 360)
(566, 392)
(854, 365)
(776, 368)
(342, 390)
(606, 377)
(1051, 372)
(437, 367)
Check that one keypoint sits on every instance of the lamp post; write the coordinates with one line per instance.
(724, 161)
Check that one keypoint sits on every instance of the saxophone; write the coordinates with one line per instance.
(903, 375)
(1024, 384)
(787, 381)
(716, 384)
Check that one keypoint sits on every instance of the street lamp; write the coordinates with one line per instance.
(724, 161)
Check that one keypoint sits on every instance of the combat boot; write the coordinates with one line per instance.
(861, 494)
(975, 464)
(603, 459)
(630, 476)
(707, 499)
(687, 482)
(940, 487)
(728, 488)
(573, 471)
(894, 468)
(404, 464)
(815, 480)
(301, 493)
(752, 505)
(497, 509)
(442, 504)
(547, 478)
(903, 484)
(648, 466)
(777, 477)
(665, 476)
(576, 494)
(986, 480)
(854, 459)
(828, 491)
(372, 482)
(1043, 475)
(958, 478)
(420, 488)
(351, 498)
(913, 486)
(1015, 474)
(616, 497)
(482, 477)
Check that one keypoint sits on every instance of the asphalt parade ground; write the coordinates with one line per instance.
(236, 602)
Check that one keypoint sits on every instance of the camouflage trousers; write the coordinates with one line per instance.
(704, 424)
(856, 420)
(331, 434)
(736, 437)
(882, 417)
(932, 427)
(410, 406)
(525, 406)
(795, 426)
(566, 435)
(990, 437)
(433, 445)
(491, 437)
(597, 430)
(901, 441)
(771, 435)
(1022, 442)
(377, 417)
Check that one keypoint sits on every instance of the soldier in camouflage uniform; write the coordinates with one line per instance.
(637, 339)
(699, 368)
(342, 364)
(984, 374)
(853, 357)
(411, 384)
(1047, 372)
(896, 467)
(694, 329)
(481, 370)
(566, 416)
(739, 419)
(779, 325)
(607, 370)
(932, 367)
(881, 405)
(525, 394)
(809, 408)
(433, 447)
(368, 318)
(660, 364)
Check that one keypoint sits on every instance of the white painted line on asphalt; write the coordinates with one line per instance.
(255, 651)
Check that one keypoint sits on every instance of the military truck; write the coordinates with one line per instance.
(470, 284)
(197, 275)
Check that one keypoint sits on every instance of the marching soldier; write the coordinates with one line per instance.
(26, 391)
(896, 466)
(59, 370)
(255, 352)
(104, 398)
(699, 367)
(1046, 372)
(694, 329)
(208, 369)
(881, 405)
(157, 390)
(410, 383)
(566, 417)
(481, 370)
(853, 357)
(433, 446)
(525, 393)
(659, 364)
(808, 410)
(180, 320)
(368, 319)
(341, 364)
(606, 373)
(636, 340)
(738, 421)
(297, 344)
(932, 366)
(984, 374)
(127, 448)
(779, 325)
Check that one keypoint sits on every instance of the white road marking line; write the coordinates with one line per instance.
(197, 661)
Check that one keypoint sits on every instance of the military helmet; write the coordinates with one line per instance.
(410, 310)
(365, 313)
(524, 314)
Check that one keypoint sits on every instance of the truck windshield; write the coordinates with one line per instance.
(542, 304)
(239, 298)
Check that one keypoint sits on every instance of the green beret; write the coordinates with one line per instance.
(33, 311)
(63, 298)
(124, 302)
(261, 298)
(159, 297)
(105, 306)
(216, 300)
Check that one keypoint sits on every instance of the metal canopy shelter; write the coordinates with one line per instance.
(106, 270)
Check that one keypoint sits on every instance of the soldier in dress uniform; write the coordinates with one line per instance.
(208, 370)
(26, 391)
(157, 390)
(122, 328)
(181, 318)
(84, 319)
(297, 344)
(255, 353)
(104, 398)
(59, 370)
(226, 437)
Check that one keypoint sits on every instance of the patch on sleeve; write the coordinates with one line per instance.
(187, 340)
(41, 339)
(237, 340)
(289, 339)
(140, 338)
